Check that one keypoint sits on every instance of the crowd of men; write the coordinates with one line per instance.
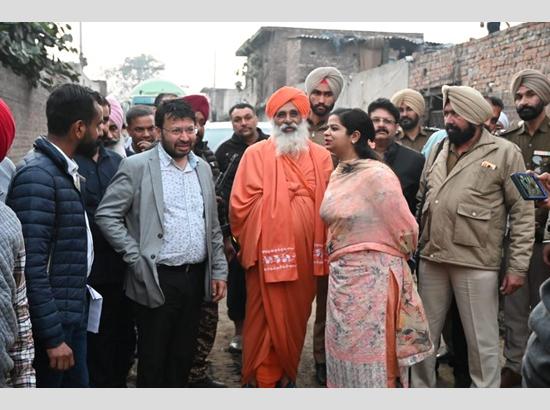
(135, 207)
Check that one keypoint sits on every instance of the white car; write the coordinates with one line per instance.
(216, 133)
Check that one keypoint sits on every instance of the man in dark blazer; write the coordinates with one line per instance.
(111, 350)
(160, 212)
(405, 162)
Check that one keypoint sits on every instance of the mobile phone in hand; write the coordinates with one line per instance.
(529, 186)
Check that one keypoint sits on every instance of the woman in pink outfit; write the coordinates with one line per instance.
(376, 326)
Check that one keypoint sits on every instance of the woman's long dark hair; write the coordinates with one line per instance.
(355, 119)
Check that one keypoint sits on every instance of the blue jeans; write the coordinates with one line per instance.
(77, 376)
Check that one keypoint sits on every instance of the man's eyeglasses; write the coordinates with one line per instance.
(384, 121)
(178, 132)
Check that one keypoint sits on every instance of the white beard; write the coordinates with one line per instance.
(292, 143)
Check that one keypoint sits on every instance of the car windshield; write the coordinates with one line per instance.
(216, 136)
(216, 133)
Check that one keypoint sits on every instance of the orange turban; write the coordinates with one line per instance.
(284, 95)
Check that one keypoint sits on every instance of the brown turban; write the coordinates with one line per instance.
(284, 95)
(7, 129)
(468, 103)
(412, 98)
(331, 75)
(534, 80)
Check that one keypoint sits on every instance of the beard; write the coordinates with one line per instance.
(171, 149)
(459, 137)
(528, 113)
(87, 147)
(321, 109)
(107, 142)
(408, 123)
(290, 143)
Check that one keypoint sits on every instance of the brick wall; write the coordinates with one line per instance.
(487, 64)
(29, 109)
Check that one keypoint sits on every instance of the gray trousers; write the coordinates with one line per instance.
(517, 308)
(476, 294)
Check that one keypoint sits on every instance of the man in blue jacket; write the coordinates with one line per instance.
(46, 195)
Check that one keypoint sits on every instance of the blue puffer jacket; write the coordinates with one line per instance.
(51, 211)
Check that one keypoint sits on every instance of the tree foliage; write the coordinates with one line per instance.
(131, 72)
(27, 49)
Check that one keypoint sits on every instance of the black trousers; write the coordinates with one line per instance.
(111, 351)
(236, 291)
(167, 335)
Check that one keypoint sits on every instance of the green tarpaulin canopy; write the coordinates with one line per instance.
(155, 87)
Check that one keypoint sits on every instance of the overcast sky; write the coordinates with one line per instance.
(198, 55)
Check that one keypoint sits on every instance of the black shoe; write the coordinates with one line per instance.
(321, 373)
(207, 383)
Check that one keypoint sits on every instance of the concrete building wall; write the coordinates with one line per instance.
(221, 100)
(366, 86)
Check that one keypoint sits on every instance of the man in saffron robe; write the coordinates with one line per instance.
(274, 215)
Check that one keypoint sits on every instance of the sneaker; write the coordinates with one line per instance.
(236, 344)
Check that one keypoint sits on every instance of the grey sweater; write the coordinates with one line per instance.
(536, 362)
(7, 169)
(11, 241)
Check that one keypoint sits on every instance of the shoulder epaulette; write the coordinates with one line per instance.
(516, 127)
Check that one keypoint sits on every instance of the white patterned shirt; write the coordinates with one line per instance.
(184, 239)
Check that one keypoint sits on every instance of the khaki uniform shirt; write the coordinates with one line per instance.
(317, 135)
(418, 143)
(528, 144)
(316, 132)
(463, 219)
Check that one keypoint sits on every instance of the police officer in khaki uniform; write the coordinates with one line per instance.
(323, 87)
(468, 198)
(531, 92)
(411, 107)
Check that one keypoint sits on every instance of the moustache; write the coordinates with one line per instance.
(288, 127)
(382, 129)
(525, 108)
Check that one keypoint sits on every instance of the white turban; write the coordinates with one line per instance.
(534, 80)
(412, 98)
(331, 75)
(503, 119)
(468, 103)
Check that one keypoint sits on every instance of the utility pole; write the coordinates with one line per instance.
(214, 111)
(82, 59)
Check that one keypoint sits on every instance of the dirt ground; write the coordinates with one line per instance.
(225, 366)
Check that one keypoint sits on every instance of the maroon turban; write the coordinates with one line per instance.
(198, 103)
(7, 129)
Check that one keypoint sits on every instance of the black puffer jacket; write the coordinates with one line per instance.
(51, 211)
